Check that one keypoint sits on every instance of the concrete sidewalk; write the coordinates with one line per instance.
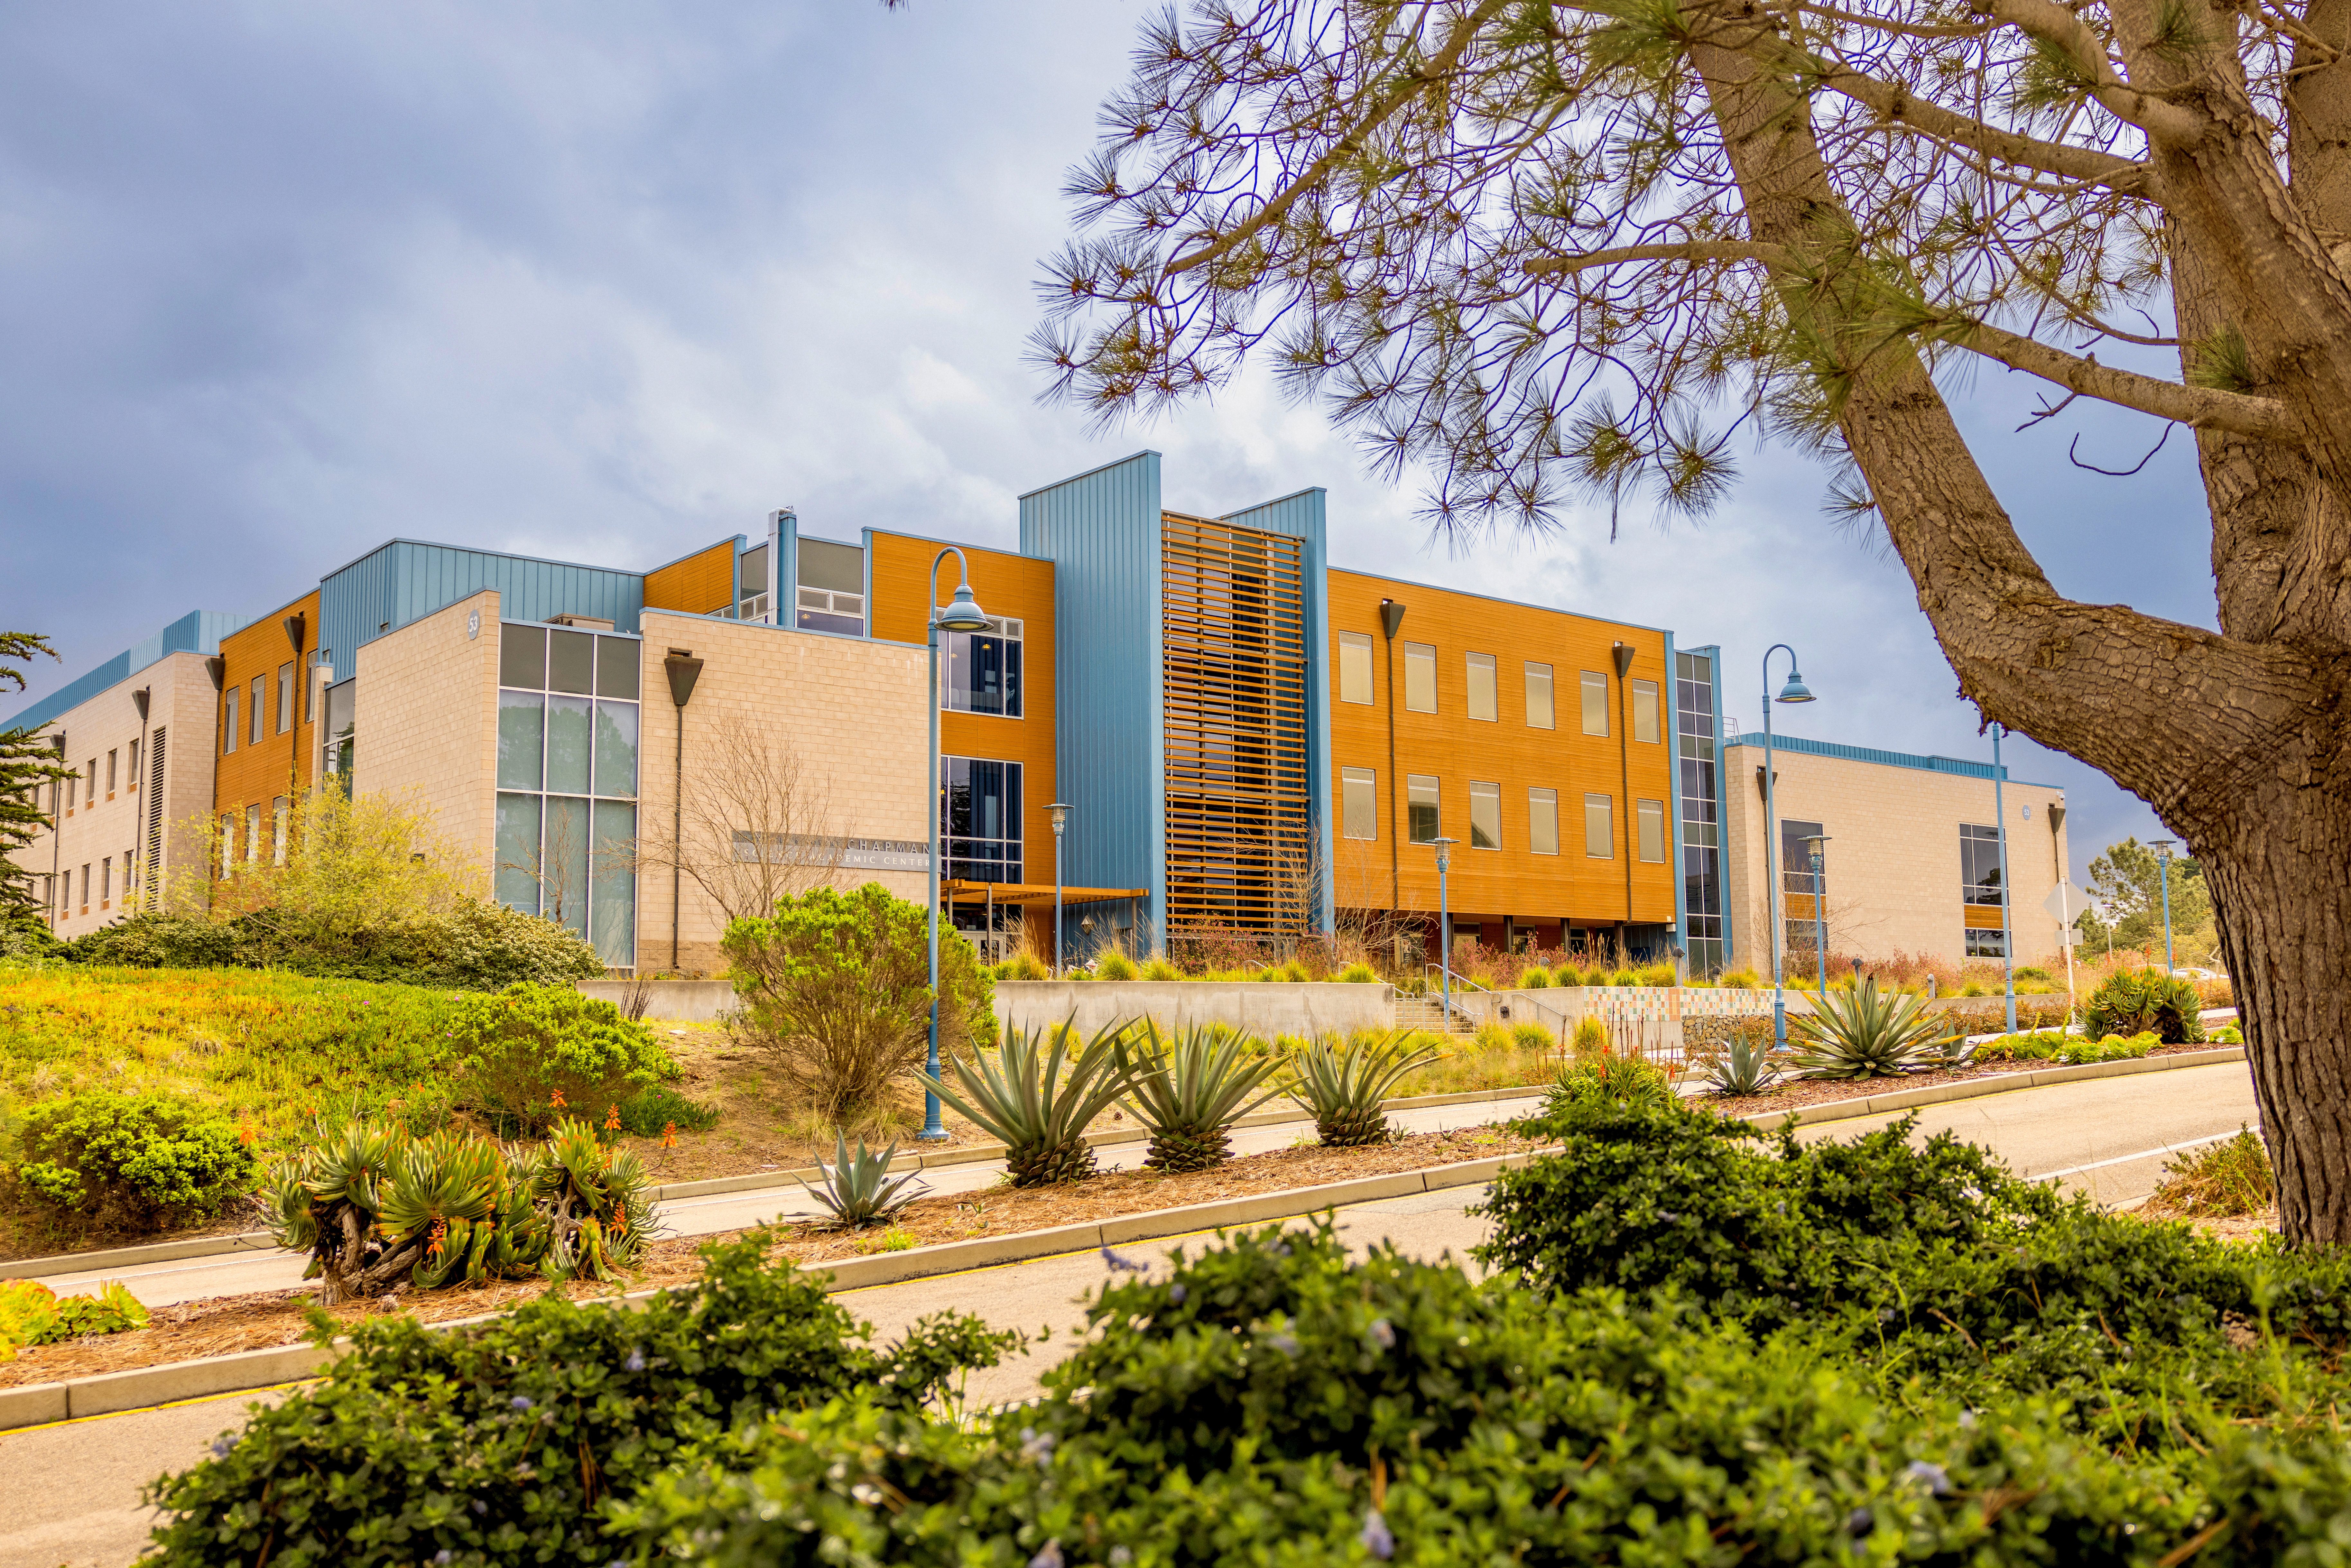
(82, 1478)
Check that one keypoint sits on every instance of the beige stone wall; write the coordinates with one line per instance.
(102, 833)
(852, 712)
(426, 717)
(1892, 868)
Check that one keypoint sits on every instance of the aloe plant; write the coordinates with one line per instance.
(1188, 1092)
(859, 1188)
(1341, 1083)
(1863, 1034)
(1037, 1098)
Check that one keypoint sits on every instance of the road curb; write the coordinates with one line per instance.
(1975, 1087)
(259, 1240)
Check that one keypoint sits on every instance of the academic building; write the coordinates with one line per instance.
(1245, 739)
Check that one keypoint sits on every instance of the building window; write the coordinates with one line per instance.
(1482, 702)
(1595, 703)
(981, 672)
(832, 590)
(1420, 809)
(135, 765)
(1542, 822)
(1987, 942)
(1419, 677)
(1796, 856)
(1644, 711)
(253, 719)
(85, 887)
(1651, 815)
(253, 834)
(228, 731)
(110, 775)
(285, 698)
(979, 820)
(1539, 712)
(229, 843)
(1979, 865)
(1359, 803)
(106, 882)
(1600, 827)
(129, 874)
(567, 777)
(1354, 666)
(1694, 728)
(1485, 816)
(278, 826)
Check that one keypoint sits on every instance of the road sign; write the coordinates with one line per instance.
(2066, 903)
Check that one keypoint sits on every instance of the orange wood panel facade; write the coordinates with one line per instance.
(1511, 880)
(277, 764)
(701, 584)
(1009, 585)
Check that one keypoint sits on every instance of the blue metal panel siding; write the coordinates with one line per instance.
(1300, 516)
(1955, 765)
(197, 631)
(405, 580)
(1100, 531)
(352, 601)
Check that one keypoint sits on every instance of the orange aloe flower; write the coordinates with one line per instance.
(669, 1134)
(558, 1101)
(611, 1118)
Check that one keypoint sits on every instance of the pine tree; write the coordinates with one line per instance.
(26, 762)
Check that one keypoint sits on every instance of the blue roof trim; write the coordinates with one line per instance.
(197, 631)
(1927, 764)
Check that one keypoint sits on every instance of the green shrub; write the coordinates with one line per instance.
(1533, 1037)
(477, 947)
(1492, 1036)
(2227, 1178)
(502, 1442)
(1159, 969)
(1022, 967)
(1590, 1041)
(1114, 967)
(656, 1108)
(1535, 979)
(2130, 1003)
(96, 1162)
(1358, 975)
(532, 1052)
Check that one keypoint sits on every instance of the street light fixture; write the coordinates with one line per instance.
(1061, 810)
(961, 614)
(1794, 691)
(2162, 848)
(1444, 929)
(1820, 911)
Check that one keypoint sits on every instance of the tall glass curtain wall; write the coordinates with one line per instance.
(1694, 731)
(979, 820)
(568, 781)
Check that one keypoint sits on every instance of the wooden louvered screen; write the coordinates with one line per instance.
(154, 886)
(1237, 830)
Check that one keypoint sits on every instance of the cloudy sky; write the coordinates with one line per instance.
(608, 281)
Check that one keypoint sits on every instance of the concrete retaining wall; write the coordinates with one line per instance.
(678, 1001)
(1261, 1006)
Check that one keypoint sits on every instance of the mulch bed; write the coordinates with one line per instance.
(1794, 1094)
(226, 1324)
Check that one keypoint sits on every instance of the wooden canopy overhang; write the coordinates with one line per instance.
(1028, 895)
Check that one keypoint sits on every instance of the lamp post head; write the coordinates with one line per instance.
(2162, 848)
(1444, 848)
(1061, 810)
(1795, 691)
(962, 614)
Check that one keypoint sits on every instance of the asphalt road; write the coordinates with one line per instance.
(82, 1478)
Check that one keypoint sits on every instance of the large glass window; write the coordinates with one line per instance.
(1796, 856)
(1355, 667)
(1420, 809)
(1987, 942)
(979, 820)
(1644, 711)
(1485, 816)
(1542, 822)
(1979, 865)
(832, 590)
(1538, 713)
(1600, 827)
(1595, 703)
(1482, 702)
(567, 810)
(1651, 815)
(1359, 803)
(1420, 677)
(285, 698)
(1694, 764)
(981, 671)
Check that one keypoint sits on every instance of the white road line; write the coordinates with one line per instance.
(2125, 1159)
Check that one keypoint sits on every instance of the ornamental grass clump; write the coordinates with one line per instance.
(1190, 1089)
(857, 1190)
(1341, 1083)
(1865, 1034)
(1037, 1098)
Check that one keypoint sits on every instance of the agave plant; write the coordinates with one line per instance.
(1037, 1098)
(1341, 1083)
(1744, 1069)
(1188, 1092)
(1861, 1034)
(859, 1189)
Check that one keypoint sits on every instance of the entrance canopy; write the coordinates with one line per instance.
(1029, 894)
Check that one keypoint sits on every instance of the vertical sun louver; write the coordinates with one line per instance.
(1239, 830)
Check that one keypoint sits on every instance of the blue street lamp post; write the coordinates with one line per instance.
(1061, 811)
(1444, 930)
(2163, 870)
(1795, 691)
(962, 614)
(2007, 893)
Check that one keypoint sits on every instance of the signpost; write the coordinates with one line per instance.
(2067, 901)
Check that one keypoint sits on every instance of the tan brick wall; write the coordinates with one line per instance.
(852, 711)
(1892, 868)
(102, 831)
(426, 717)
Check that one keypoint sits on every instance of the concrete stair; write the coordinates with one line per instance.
(1428, 1014)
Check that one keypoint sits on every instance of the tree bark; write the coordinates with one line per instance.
(2237, 740)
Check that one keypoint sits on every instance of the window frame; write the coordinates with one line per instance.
(1358, 642)
(1349, 780)
(1550, 694)
(1415, 785)
(1588, 683)
(1542, 804)
(1606, 806)
(260, 700)
(1646, 813)
(229, 727)
(1656, 725)
(1489, 793)
(1419, 663)
(285, 697)
(1489, 689)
